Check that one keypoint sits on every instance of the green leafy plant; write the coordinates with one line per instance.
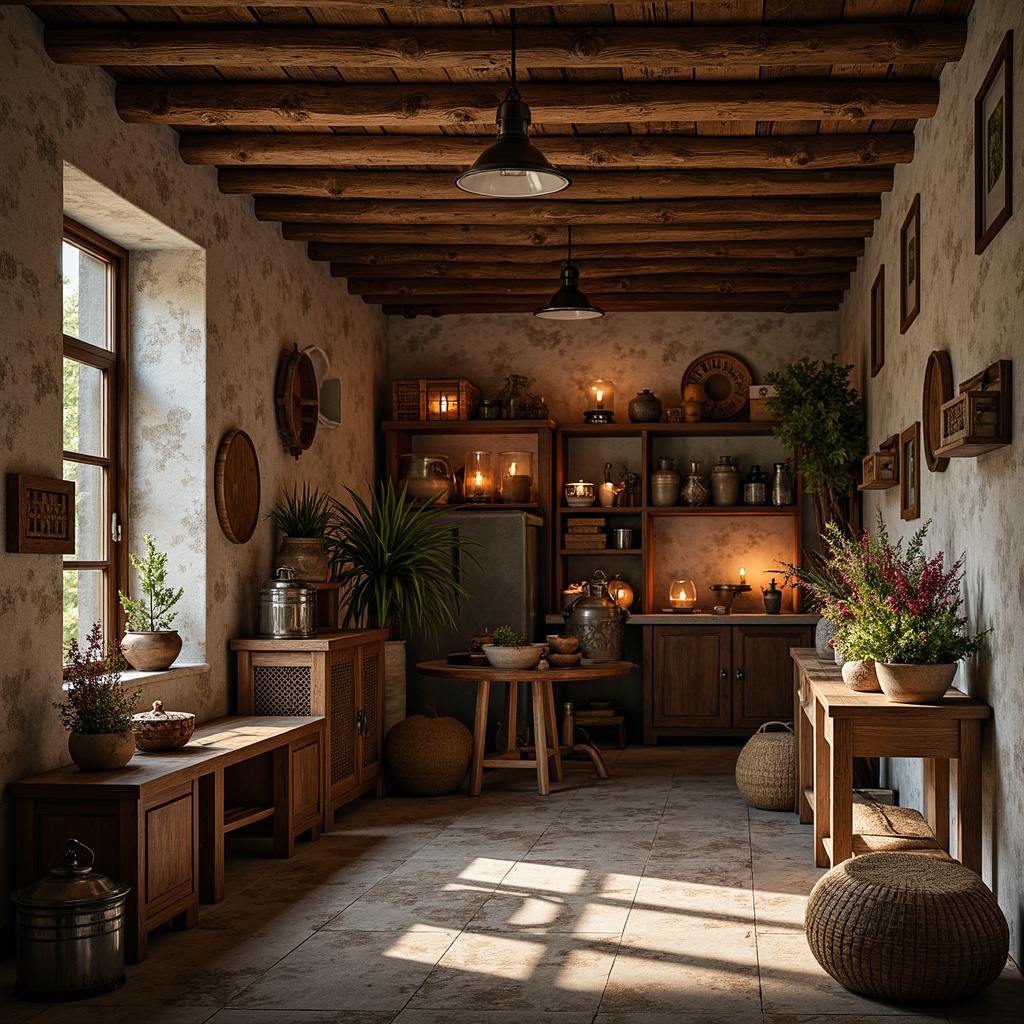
(506, 636)
(96, 701)
(822, 421)
(305, 513)
(397, 562)
(151, 612)
(893, 605)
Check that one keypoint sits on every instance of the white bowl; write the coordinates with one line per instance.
(527, 656)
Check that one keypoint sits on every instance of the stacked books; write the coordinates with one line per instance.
(585, 533)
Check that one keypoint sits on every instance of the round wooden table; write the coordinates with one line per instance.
(544, 723)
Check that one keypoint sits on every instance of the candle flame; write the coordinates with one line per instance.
(511, 469)
(444, 403)
(479, 480)
(743, 575)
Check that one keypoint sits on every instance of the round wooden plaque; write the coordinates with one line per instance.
(726, 382)
(938, 389)
(237, 486)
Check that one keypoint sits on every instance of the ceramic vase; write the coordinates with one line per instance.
(306, 556)
(665, 484)
(861, 676)
(915, 684)
(645, 408)
(695, 491)
(726, 485)
(151, 651)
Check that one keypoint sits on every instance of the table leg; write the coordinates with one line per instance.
(540, 739)
(476, 769)
(510, 716)
(842, 790)
(936, 798)
(968, 786)
(822, 808)
(552, 726)
(284, 841)
(211, 837)
(803, 746)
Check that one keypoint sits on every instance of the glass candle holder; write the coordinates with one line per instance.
(478, 478)
(579, 494)
(682, 594)
(515, 477)
(600, 402)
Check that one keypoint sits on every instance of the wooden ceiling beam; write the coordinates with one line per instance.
(681, 211)
(606, 186)
(472, 49)
(569, 152)
(540, 236)
(254, 104)
(392, 256)
(787, 285)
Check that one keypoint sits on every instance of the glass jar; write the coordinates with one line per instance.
(477, 478)
(515, 477)
(682, 595)
(726, 485)
(514, 399)
(695, 491)
(665, 484)
(782, 485)
(755, 487)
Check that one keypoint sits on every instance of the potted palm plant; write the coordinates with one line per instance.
(304, 518)
(97, 711)
(149, 643)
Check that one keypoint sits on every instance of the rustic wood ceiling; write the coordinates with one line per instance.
(724, 154)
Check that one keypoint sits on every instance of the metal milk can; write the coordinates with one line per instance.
(598, 621)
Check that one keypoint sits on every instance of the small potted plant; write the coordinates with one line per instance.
(98, 710)
(510, 650)
(149, 644)
(304, 518)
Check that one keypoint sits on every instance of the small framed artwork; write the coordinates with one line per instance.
(40, 515)
(993, 147)
(910, 265)
(910, 472)
(878, 322)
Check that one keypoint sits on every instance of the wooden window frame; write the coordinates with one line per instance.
(113, 362)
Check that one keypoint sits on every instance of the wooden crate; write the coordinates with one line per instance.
(446, 398)
(879, 470)
(978, 419)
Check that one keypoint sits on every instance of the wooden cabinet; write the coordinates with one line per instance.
(336, 674)
(718, 680)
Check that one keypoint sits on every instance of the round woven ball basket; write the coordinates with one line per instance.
(428, 755)
(765, 775)
(903, 926)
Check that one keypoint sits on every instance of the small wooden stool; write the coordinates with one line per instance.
(589, 720)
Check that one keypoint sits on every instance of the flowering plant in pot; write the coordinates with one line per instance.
(149, 643)
(903, 611)
(98, 710)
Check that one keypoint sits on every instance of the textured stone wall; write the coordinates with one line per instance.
(972, 306)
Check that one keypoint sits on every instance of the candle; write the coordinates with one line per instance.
(444, 403)
(516, 488)
(743, 576)
(599, 394)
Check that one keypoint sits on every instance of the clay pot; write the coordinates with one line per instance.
(101, 752)
(915, 684)
(151, 652)
(306, 555)
(861, 676)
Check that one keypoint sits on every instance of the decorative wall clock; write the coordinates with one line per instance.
(726, 383)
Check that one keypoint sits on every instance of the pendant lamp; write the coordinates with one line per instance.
(512, 166)
(569, 303)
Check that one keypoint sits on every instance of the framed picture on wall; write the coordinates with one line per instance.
(993, 147)
(910, 265)
(910, 472)
(878, 322)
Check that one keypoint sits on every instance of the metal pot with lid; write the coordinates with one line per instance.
(287, 607)
(597, 620)
(70, 929)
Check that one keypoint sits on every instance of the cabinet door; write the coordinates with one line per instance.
(370, 723)
(762, 688)
(342, 694)
(690, 683)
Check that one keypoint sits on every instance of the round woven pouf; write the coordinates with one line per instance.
(765, 775)
(428, 755)
(906, 927)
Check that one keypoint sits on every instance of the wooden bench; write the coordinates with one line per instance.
(159, 824)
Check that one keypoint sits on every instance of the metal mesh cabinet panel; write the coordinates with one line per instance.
(281, 690)
(343, 719)
(371, 705)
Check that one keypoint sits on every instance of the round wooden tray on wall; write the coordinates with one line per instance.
(298, 402)
(938, 389)
(726, 382)
(237, 486)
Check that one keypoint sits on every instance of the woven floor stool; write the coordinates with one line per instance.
(905, 927)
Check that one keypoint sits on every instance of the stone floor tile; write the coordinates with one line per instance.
(92, 1012)
(411, 1015)
(251, 1016)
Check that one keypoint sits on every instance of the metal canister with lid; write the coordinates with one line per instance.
(598, 621)
(287, 607)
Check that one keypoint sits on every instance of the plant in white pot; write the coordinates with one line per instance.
(304, 518)
(97, 711)
(149, 643)
(510, 650)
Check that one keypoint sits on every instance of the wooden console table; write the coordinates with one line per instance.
(158, 824)
(835, 724)
(544, 723)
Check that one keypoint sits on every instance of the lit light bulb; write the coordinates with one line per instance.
(599, 395)
(743, 576)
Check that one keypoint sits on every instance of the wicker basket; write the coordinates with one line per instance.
(428, 755)
(446, 398)
(765, 774)
(902, 926)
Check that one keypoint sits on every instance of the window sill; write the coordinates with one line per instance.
(177, 673)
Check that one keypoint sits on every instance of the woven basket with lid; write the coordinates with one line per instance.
(160, 730)
(765, 773)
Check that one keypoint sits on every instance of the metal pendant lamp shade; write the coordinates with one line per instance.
(569, 303)
(512, 166)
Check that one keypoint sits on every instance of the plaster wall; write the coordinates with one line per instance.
(257, 296)
(972, 306)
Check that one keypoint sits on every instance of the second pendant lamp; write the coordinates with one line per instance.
(512, 166)
(569, 303)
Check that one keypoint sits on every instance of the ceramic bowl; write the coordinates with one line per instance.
(564, 660)
(561, 644)
(526, 656)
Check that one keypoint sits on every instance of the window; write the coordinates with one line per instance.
(95, 353)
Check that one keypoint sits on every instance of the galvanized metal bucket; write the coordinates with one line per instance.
(70, 932)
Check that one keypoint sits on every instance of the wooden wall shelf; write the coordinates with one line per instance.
(979, 419)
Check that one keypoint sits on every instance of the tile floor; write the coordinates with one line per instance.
(654, 897)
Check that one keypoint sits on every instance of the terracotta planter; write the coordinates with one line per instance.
(861, 676)
(101, 752)
(306, 555)
(151, 652)
(915, 684)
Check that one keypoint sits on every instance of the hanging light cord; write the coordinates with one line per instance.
(568, 257)
(512, 93)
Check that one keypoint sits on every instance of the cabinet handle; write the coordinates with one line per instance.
(739, 673)
(361, 721)
(725, 674)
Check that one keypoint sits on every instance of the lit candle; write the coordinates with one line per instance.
(516, 488)
(444, 403)
(599, 395)
(743, 576)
